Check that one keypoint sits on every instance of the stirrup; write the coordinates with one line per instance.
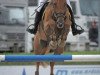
(30, 30)
(78, 31)
(78, 26)
(29, 27)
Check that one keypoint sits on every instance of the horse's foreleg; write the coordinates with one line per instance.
(37, 51)
(37, 68)
(52, 68)
(57, 52)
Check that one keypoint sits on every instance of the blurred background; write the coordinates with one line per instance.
(16, 16)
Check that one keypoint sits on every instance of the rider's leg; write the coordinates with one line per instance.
(75, 31)
(38, 16)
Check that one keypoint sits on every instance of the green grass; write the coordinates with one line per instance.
(73, 53)
(57, 63)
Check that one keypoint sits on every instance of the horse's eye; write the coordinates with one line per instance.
(54, 4)
(65, 4)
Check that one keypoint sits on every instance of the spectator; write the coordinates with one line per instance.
(93, 33)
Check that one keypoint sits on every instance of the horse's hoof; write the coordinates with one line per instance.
(36, 72)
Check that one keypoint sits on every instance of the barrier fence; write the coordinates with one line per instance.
(55, 58)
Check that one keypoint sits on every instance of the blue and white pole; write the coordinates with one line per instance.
(55, 58)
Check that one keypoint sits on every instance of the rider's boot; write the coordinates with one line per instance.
(36, 22)
(74, 26)
(37, 19)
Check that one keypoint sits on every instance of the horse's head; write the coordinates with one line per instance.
(59, 12)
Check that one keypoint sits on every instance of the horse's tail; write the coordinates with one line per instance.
(44, 64)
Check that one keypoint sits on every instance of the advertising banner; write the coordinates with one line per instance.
(58, 70)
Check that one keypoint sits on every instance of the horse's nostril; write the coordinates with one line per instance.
(60, 25)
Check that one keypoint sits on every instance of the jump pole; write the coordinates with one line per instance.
(49, 58)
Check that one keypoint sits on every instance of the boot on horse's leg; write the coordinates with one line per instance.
(74, 26)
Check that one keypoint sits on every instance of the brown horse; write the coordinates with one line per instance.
(52, 30)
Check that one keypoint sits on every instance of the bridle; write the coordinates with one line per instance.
(59, 19)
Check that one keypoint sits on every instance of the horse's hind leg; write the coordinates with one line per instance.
(52, 67)
(37, 51)
(37, 68)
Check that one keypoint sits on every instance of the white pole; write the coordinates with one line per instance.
(2, 57)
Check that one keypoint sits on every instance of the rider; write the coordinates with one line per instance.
(39, 13)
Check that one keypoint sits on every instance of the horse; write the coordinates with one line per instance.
(52, 31)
